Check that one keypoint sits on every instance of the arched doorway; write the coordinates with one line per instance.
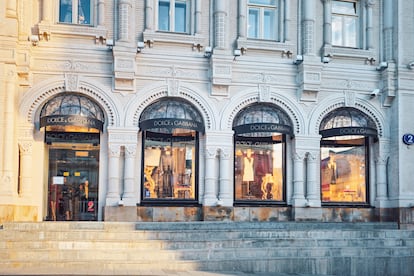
(260, 154)
(170, 136)
(347, 134)
(73, 124)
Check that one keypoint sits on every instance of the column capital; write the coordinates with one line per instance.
(130, 151)
(26, 147)
(114, 150)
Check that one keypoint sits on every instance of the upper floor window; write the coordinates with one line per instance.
(173, 16)
(75, 11)
(263, 19)
(345, 23)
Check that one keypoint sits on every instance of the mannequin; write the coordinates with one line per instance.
(248, 171)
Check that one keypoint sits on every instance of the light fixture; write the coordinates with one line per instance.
(208, 51)
(140, 46)
(298, 60)
(382, 66)
(110, 43)
(34, 39)
(410, 65)
(375, 92)
(326, 59)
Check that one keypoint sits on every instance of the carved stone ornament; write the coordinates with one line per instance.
(71, 82)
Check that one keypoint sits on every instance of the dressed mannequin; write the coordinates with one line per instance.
(152, 161)
(248, 169)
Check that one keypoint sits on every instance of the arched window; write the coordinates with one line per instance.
(170, 130)
(73, 124)
(260, 153)
(346, 136)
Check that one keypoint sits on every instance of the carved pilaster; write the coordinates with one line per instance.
(210, 193)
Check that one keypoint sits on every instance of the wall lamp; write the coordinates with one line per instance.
(298, 60)
(374, 93)
(410, 65)
(208, 51)
(110, 43)
(34, 39)
(382, 66)
(140, 46)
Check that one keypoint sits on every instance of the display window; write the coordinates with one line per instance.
(347, 134)
(260, 155)
(170, 130)
(169, 167)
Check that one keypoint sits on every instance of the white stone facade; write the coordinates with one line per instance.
(40, 58)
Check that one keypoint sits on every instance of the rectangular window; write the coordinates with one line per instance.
(344, 173)
(173, 16)
(169, 167)
(259, 169)
(75, 11)
(263, 19)
(345, 23)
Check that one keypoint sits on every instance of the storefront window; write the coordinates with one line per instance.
(259, 158)
(346, 136)
(72, 125)
(170, 130)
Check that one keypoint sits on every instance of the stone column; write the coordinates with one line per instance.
(113, 196)
(327, 22)
(129, 195)
(381, 172)
(220, 17)
(101, 12)
(149, 15)
(124, 11)
(298, 198)
(47, 10)
(388, 29)
(242, 18)
(370, 4)
(210, 193)
(26, 152)
(287, 21)
(11, 8)
(308, 27)
(8, 139)
(198, 13)
(226, 167)
(313, 185)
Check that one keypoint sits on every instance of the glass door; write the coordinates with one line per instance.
(73, 182)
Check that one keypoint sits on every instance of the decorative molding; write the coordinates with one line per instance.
(130, 151)
(264, 93)
(114, 150)
(72, 82)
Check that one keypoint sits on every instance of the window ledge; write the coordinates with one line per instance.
(45, 30)
(344, 52)
(267, 45)
(177, 38)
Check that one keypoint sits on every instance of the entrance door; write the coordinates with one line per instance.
(73, 181)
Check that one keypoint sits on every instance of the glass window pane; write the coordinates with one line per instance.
(343, 7)
(180, 17)
(350, 32)
(169, 168)
(337, 30)
(343, 173)
(259, 171)
(253, 28)
(65, 11)
(269, 25)
(164, 16)
(84, 12)
(263, 2)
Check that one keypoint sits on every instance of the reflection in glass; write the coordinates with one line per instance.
(169, 166)
(343, 172)
(263, 20)
(164, 15)
(259, 169)
(344, 23)
(180, 16)
(75, 11)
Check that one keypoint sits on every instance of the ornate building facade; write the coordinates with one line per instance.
(179, 110)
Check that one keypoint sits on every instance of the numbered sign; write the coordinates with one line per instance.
(408, 139)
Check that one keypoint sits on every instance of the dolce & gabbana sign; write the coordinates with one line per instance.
(263, 127)
(71, 120)
(345, 131)
(171, 123)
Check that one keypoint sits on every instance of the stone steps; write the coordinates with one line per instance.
(130, 248)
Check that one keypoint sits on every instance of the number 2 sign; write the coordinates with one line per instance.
(408, 139)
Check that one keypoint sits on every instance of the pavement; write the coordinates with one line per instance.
(163, 272)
